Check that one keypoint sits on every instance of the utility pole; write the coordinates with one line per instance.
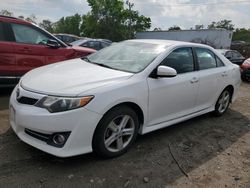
(130, 5)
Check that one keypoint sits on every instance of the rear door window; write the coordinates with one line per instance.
(205, 58)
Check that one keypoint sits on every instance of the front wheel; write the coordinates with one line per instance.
(116, 132)
(222, 103)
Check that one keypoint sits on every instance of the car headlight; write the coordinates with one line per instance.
(59, 104)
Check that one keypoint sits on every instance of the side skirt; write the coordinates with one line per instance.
(174, 121)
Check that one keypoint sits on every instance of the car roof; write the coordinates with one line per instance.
(14, 20)
(169, 42)
(65, 34)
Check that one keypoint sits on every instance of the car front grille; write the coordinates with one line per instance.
(27, 100)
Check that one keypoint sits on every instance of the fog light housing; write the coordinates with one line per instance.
(58, 139)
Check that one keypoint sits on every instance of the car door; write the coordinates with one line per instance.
(31, 51)
(171, 98)
(213, 76)
(7, 57)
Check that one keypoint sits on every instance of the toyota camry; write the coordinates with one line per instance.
(101, 103)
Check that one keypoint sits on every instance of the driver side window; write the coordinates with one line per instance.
(29, 35)
(181, 60)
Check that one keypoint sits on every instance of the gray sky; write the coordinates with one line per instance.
(163, 13)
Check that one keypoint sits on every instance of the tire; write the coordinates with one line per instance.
(116, 132)
(223, 102)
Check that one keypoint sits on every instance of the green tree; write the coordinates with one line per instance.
(109, 19)
(242, 34)
(69, 24)
(6, 13)
(226, 24)
(157, 29)
(47, 25)
(174, 28)
(21, 17)
(31, 18)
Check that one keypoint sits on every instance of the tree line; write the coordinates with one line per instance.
(110, 19)
(115, 20)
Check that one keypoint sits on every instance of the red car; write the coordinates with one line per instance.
(24, 46)
(245, 70)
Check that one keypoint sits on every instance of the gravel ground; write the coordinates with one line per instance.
(210, 152)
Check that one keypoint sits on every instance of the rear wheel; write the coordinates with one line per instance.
(116, 132)
(223, 102)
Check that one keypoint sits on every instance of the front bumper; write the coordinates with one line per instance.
(81, 124)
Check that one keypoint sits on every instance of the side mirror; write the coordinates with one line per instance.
(165, 71)
(228, 57)
(52, 43)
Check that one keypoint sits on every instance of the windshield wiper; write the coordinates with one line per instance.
(86, 59)
(102, 65)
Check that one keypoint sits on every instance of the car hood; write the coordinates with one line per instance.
(83, 49)
(70, 78)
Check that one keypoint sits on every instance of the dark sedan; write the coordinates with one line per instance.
(96, 44)
(233, 55)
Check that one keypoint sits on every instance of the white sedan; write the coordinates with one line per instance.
(102, 102)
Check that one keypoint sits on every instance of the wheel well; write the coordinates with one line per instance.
(136, 108)
(231, 89)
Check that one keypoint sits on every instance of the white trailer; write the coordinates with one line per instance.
(217, 38)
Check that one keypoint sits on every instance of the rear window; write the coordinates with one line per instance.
(1, 32)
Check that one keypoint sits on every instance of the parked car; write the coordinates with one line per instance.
(67, 38)
(233, 55)
(101, 102)
(24, 46)
(245, 70)
(237, 42)
(96, 44)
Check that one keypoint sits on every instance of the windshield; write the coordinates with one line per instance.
(128, 56)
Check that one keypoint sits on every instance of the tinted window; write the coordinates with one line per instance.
(205, 58)
(219, 62)
(228, 54)
(236, 55)
(181, 60)
(104, 44)
(68, 39)
(94, 45)
(59, 37)
(26, 34)
(1, 32)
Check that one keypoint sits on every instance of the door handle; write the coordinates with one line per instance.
(194, 80)
(224, 74)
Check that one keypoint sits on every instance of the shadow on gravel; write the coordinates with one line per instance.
(193, 143)
(4, 97)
